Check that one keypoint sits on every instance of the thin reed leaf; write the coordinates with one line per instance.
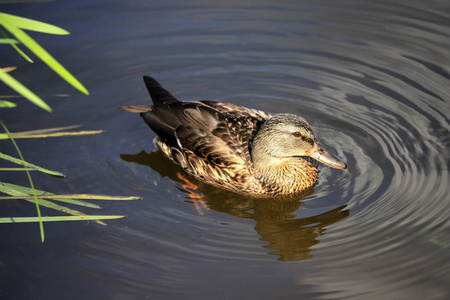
(54, 206)
(7, 104)
(8, 41)
(19, 96)
(23, 90)
(30, 165)
(56, 134)
(8, 69)
(29, 24)
(50, 132)
(77, 196)
(21, 192)
(59, 218)
(17, 190)
(15, 25)
(41, 225)
(43, 131)
(13, 44)
(14, 169)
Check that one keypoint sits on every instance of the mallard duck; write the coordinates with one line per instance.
(236, 148)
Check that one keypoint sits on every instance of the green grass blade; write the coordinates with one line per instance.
(43, 131)
(41, 225)
(439, 243)
(21, 192)
(14, 169)
(8, 41)
(29, 24)
(15, 27)
(54, 206)
(23, 90)
(76, 196)
(17, 190)
(49, 132)
(55, 134)
(19, 96)
(13, 44)
(7, 104)
(59, 207)
(29, 165)
(58, 218)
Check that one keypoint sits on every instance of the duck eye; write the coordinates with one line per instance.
(297, 134)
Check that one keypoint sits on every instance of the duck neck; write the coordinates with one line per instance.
(285, 175)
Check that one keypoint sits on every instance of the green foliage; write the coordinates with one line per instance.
(41, 226)
(13, 44)
(44, 198)
(51, 132)
(47, 199)
(7, 104)
(23, 90)
(29, 166)
(57, 218)
(7, 41)
(439, 243)
(16, 26)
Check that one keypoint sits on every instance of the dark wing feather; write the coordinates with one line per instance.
(217, 151)
(210, 139)
(235, 110)
(164, 119)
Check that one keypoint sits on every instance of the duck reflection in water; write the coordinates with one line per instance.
(290, 237)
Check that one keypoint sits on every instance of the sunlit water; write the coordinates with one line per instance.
(372, 78)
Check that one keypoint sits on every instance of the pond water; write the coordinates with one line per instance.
(371, 77)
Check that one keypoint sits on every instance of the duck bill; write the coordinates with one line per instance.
(325, 157)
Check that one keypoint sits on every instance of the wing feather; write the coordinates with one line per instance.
(210, 140)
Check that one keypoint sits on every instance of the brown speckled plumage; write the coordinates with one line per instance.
(233, 147)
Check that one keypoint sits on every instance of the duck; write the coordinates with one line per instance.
(243, 150)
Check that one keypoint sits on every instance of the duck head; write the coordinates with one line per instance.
(287, 136)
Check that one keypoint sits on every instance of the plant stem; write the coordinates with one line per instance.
(41, 224)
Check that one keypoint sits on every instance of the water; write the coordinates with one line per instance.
(371, 78)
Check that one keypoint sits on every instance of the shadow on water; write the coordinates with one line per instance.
(290, 235)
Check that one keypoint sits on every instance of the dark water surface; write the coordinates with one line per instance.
(371, 77)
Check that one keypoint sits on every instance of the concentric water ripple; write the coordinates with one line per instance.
(372, 78)
(376, 99)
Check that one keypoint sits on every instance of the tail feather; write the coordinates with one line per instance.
(159, 94)
(137, 108)
(164, 130)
